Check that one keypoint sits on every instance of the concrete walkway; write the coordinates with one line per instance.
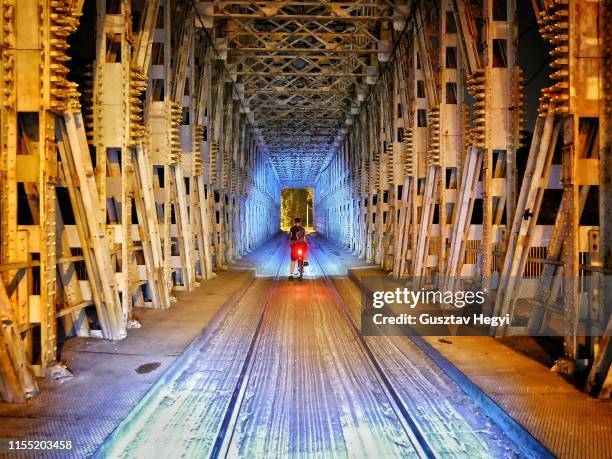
(110, 377)
(568, 422)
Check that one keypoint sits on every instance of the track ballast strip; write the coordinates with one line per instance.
(226, 431)
(410, 425)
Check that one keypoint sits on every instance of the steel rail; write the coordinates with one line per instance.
(409, 424)
(226, 431)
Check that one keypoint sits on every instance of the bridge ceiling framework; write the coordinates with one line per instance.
(301, 69)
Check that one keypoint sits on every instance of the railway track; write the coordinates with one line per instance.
(228, 426)
(413, 432)
(409, 424)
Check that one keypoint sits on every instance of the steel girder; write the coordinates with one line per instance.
(299, 68)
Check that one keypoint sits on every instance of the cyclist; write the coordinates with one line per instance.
(297, 238)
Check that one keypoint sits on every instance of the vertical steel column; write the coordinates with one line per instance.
(112, 138)
(451, 124)
(499, 169)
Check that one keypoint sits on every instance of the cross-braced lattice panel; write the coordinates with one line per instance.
(298, 67)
